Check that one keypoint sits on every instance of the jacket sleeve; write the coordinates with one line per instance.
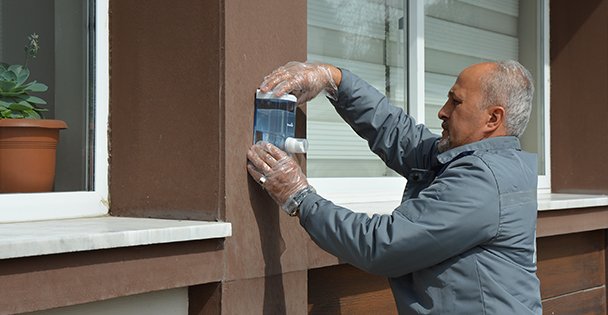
(390, 132)
(458, 211)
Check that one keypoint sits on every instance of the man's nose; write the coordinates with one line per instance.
(441, 114)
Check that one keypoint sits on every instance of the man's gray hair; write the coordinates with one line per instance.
(510, 85)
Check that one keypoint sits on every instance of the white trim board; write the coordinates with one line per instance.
(63, 236)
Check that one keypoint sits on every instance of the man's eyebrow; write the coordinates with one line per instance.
(453, 94)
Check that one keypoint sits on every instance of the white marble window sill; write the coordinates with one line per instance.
(550, 201)
(546, 201)
(72, 235)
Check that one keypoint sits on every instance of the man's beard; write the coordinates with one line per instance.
(444, 144)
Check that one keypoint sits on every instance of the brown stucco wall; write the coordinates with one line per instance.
(165, 109)
(49, 281)
(259, 36)
(579, 96)
(266, 256)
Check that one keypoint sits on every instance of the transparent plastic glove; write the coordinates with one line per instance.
(304, 80)
(282, 176)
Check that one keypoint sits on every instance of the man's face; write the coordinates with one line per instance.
(462, 117)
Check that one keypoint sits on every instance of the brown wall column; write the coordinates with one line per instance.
(267, 252)
(165, 124)
(579, 96)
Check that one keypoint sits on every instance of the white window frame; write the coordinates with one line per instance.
(383, 194)
(544, 181)
(61, 205)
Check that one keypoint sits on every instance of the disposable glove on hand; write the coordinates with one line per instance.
(304, 80)
(279, 174)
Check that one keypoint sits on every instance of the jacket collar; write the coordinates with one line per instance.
(495, 143)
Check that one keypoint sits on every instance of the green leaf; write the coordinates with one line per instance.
(36, 87)
(15, 68)
(3, 74)
(5, 113)
(22, 75)
(7, 86)
(20, 106)
(9, 100)
(24, 103)
(31, 114)
(11, 75)
(31, 99)
(5, 101)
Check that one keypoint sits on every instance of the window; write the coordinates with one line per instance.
(460, 33)
(73, 63)
(412, 51)
(366, 38)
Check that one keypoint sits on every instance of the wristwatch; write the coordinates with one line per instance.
(292, 205)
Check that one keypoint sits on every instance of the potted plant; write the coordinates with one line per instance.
(27, 141)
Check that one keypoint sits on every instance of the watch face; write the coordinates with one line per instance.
(293, 204)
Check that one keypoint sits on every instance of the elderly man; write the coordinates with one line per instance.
(463, 239)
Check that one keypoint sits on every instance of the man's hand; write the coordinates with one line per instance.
(279, 174)
(304, 80)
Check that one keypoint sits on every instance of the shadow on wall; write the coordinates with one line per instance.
(267, 217)
(577, 15)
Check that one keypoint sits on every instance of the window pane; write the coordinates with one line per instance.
(65, 29)
(365, 37)
(460, 33)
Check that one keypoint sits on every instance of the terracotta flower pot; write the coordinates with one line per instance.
(27, 154)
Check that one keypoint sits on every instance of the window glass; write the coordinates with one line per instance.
(461, 33)
(366, 37)
(65, 29)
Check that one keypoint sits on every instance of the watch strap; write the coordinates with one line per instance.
(292, 205)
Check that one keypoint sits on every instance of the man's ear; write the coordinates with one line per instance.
(496, 118)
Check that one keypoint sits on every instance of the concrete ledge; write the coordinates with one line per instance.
(71, 235)
(550, 201)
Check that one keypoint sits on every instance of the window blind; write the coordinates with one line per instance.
(364, 37)
(458, 34)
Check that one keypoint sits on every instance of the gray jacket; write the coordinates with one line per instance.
(463, 239)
